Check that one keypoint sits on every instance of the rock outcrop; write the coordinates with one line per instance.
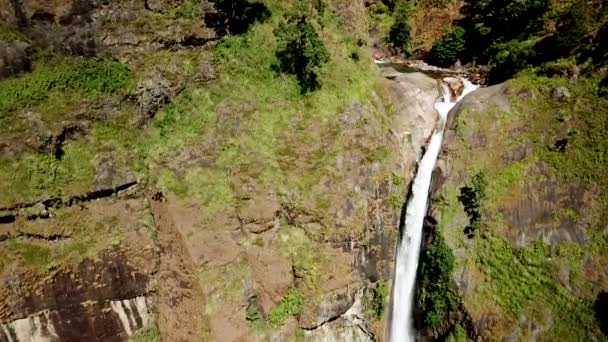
(513, 212)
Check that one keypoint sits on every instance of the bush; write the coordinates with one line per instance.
(435, 294)
(300, 50)
(471, 198)
(509, 58)
(399, 34)
(291, 304)
(447, 51)
(379, 299)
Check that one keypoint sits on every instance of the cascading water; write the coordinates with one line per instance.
(401, 326)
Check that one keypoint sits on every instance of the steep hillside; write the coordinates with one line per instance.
(521, 206)
(169, 170)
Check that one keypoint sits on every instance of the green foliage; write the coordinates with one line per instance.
(521, 281)
(292, 304)
(87, 77)
(254, 313)
(380, 297)
(33, 176)
(399, 34)
(9, 33)
(447, 51)
(300, 50)
(458, 335)
(435, 293)
(509, 58)
(471, 198)
(146, 335)
(572, 26)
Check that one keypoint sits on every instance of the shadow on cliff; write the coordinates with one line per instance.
(236, 16)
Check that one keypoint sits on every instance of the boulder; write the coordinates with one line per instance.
(455, 85)
(152, 93)
(14, 58)
(560, 93)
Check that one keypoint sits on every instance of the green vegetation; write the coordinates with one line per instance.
(300, 50)
(87, 77)
(33, 176)
(8, 33)
(519, 35)
(399, 34)
(471, 198)
(522, 279)
(146, 335)
(435, 294)
(305, 255)
(291, 305)
(446, 51)
(380, 297)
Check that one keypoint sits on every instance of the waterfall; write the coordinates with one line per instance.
(401, 326)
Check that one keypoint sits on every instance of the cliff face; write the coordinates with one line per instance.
(519, 201)
(153, 184)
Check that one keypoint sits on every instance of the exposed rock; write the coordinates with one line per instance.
(259, 213)
(108, 176)
(348, 327)
(352, 115)
(456, 86)
(152, 93)
(560, 93)
(14, 58)
(206, 71)
(332, 305)
(104, 300)
(416, 114)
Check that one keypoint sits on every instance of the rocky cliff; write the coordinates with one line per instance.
(158, 182)
(519, 201)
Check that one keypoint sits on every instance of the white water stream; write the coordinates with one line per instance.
(401, 325)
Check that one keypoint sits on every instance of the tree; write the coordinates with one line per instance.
(446, 51)
(300, 50)
(399, 34)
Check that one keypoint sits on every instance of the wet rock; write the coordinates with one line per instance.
(15, 57)
(152, 93)
(97, 300)
(416, 115)
(456, 86)
(560, 93)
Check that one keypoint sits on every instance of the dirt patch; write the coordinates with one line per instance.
(180, 299)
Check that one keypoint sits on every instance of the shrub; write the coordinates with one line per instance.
(509, 58)
(435, 294)
(379, 299)
(300, 50)
(471, 198)
(292, 304)
(399, 34)
(446, 51)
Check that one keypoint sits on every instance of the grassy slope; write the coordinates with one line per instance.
(523, 285)
(251, 123)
